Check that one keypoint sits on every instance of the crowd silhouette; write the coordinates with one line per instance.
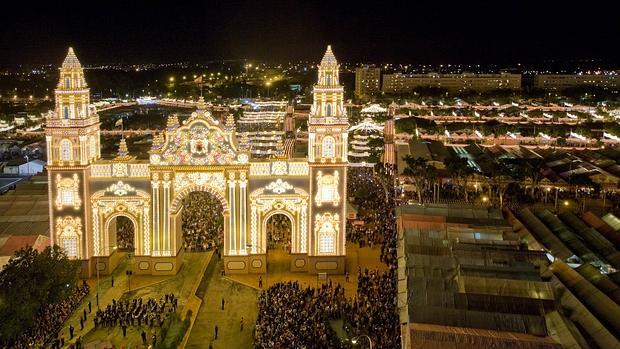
(124, 233)
(49, 321)
(279, 232)
(136, 312)
(202, 222)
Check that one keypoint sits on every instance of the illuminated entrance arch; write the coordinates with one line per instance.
(200, 154)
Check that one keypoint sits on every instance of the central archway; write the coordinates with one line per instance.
(202, 222)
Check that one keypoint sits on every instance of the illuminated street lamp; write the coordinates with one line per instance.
(268, 83)
(355, 340)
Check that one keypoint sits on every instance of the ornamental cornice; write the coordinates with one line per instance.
(279, 186)
(214, 180)
(198, 168)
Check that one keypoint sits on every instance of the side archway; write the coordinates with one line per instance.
(113, 202)
(293, 205)
(112, 218)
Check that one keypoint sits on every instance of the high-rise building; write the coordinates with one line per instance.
(606, 80)
(403, 83)
(327, 157)
(367, 81)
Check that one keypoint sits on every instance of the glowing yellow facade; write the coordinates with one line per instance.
(327, 157)
(202, 154)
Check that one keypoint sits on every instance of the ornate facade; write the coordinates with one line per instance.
(201, 154)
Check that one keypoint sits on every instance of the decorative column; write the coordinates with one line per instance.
(48, 143)
(232, 227)
(98, 144)
(165, 234)
(303, 228)
(155, 197)
(311, 140)
(146, 231)
(254, 227)
(243, 183)
(96, 233)
(82, 150)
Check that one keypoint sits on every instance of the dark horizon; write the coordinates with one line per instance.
(419, 33)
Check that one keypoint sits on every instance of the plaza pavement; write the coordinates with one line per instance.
(147, 286)
(239, 291)
(279, 270)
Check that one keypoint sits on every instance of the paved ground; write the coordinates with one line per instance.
(240, 293)
(144, 286)
(279, 269)
(240, 301)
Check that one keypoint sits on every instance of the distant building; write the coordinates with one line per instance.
(19, 121)
(605, 80)
(367, 81)
(24, 168)
(402, 83)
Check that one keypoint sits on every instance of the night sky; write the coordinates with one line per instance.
(412, 31)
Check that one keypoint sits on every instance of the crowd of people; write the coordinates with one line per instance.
(376, 214)
(136, 312)
(296, 317)
(202, 222)
(373, 311)
(49, 321)
(279, 231)
(291, 316)
(124, 233)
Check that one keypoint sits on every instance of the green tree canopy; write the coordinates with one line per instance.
(30, 280)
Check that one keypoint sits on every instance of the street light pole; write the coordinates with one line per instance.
(97, 267)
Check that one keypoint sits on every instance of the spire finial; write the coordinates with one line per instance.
(123, 152)
(329, 57)
(71, 60)
(201, 105)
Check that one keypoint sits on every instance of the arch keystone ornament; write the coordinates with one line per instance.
(199, 154)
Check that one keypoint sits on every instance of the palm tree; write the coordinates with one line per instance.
(421, 173)
(459, 170)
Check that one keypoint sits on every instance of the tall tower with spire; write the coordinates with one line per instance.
(327, 156)
(72, 138)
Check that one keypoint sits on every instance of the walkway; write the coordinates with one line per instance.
(240, 301)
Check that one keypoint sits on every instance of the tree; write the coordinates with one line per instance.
(502, 172)
(386, 178)
(529, 168)
(459, 170)
(421, 173)
(30, 280)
